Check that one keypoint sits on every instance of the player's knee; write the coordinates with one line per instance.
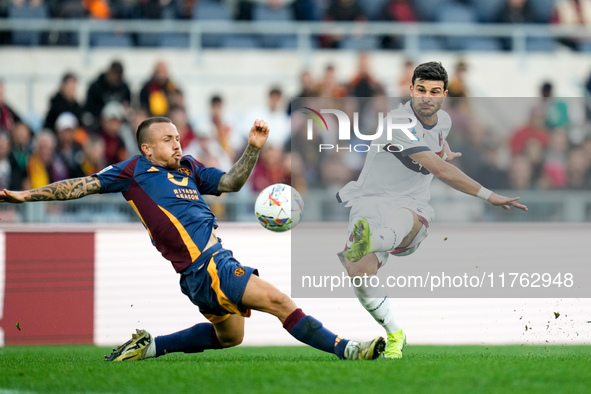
(279, 299)
(354, 271)
(368, 265)
(360, 270)
(231, 341)
(280, 305)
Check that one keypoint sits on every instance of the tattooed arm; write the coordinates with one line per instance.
(233, 180)
(68, 189)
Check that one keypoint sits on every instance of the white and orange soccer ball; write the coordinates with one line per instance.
(279, 207)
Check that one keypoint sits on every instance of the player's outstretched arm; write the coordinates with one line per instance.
(454, 177)
(68, 189)
(505, 202)
(447, 154)
(233, 180)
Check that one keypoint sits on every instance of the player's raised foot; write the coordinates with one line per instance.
(396, 342)
(139, 347)
(361, 241)
(369, 350)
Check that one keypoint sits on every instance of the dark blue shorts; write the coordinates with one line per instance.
(215, 282)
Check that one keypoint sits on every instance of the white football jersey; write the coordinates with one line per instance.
(390, 173)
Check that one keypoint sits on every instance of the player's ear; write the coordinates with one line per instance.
(146, 149)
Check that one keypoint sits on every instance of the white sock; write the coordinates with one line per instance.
(387, 238)
(351, 350)
(375, 301)
(151, 350)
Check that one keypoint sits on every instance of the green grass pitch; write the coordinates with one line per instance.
(436, 369)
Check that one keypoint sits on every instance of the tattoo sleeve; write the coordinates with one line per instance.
(233, 180)
(68, 189)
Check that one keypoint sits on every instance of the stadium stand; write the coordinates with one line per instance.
(25, 11)
(434, 28)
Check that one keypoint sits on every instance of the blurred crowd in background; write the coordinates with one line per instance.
(81, 134)
(558, 12)
(81, 137)
(78, 137)
(549, 150)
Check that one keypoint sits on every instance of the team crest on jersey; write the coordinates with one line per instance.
(239, 271)
(440, 138)
(184, 170)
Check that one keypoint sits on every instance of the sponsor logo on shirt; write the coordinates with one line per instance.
(104, 170)
(186, 194)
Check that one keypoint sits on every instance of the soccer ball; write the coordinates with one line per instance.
(279, 207)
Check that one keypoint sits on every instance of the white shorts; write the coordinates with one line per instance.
(378, 212)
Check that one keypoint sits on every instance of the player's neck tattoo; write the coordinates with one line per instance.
(68, 189)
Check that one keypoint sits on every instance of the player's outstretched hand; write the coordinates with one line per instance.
(12, 197)
(258, 134)
(505, 202)
(450, 154)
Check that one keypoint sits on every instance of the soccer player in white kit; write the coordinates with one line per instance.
(390, 210)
